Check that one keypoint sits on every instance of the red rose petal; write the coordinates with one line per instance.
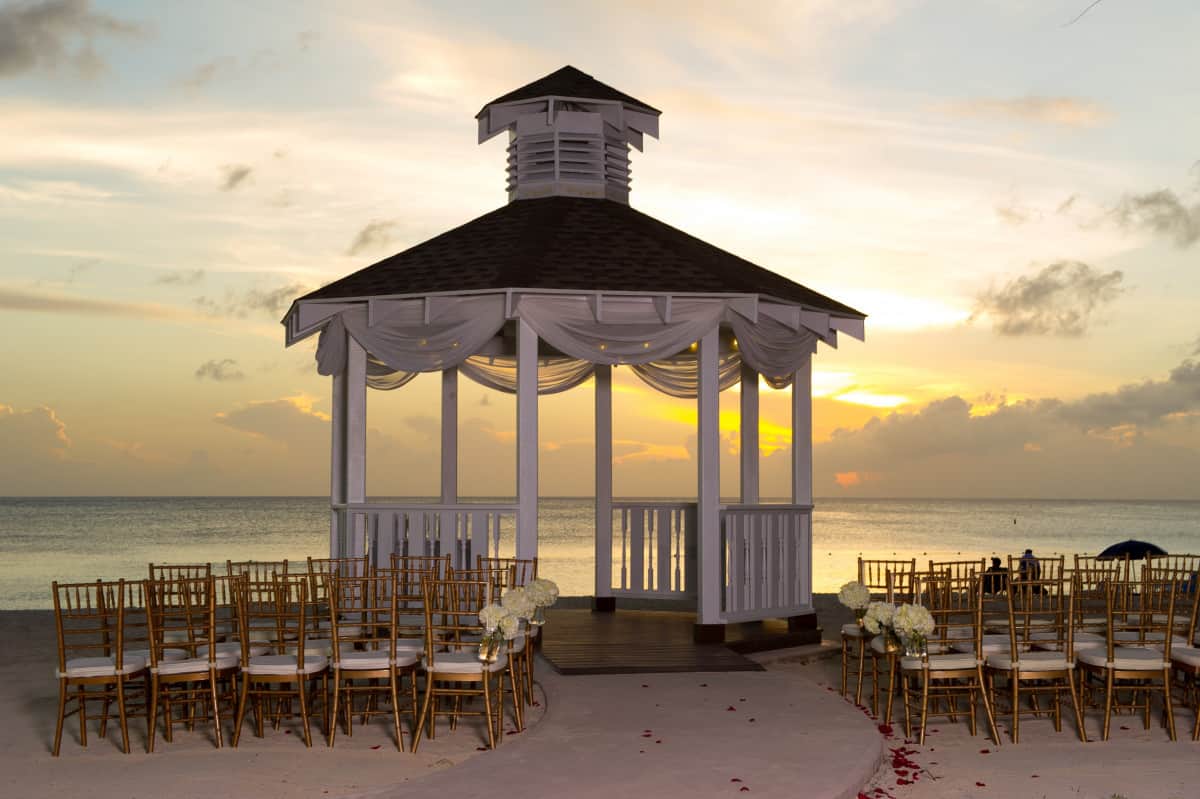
(703, 685)
(743, 788)
(735, 779)
(481, 749)
(1033, 776)
(980, 784)
(658, 741)
(645, 686)
(731, 707)
(647, 735)
(985, 751)
(377, 746)
(751, 720)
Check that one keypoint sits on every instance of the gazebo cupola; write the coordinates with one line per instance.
(568, 135)
(552, 291)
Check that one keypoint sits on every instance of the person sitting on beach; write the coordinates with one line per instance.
(1029, 569)
(995, 579)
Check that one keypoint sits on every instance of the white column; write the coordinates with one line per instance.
(749, 424)
(708, 513)
(348, 466)
(527, 440)
(450, 436)
(802, 481)
(802, 493)
(604, 480)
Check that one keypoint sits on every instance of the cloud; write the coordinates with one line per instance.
(46, 35)
(185, 277)
(271, 301)
(1014, 214)
(36, 432)
(288, 420)
(1059, 300)
(1139, 439)
(202, 75)
(306, 39)
(1161, 212)
(234, 175)
(1149, 403)
(377, 233)
(1065, 111)
(17, 300)
(220, 371)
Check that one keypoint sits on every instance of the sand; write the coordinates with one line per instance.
(588, 737)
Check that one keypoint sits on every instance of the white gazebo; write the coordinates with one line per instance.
(557, 287)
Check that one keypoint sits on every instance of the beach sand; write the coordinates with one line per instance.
(800, 747)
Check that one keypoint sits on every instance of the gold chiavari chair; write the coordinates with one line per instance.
(903, 587)
(273, 614)
(1039, 659)
(258, 571)
(438, 564)
(1185, 657)
(1180, 563)
(958, 569)
(1117, 566)
(366, 660)
(940, 672)
(408, 628)
(89, 622)
(525, 570)
(453, 668)
(179, 571)
(874, 575)
(502, 578)
(1136, 658)
(338, 567)
(183, 612)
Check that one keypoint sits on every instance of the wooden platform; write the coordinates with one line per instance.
(646, 641)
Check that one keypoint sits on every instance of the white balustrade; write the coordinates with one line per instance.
(767, 561)
(658, 549)
(462, 530)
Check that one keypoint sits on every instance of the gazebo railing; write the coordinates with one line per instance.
(658, 549)
(767, 561)
(462, 530)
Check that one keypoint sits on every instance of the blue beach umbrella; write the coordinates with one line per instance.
(1133, 548)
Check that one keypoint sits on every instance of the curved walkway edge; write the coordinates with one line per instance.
(691, 734)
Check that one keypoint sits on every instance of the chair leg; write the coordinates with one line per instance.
(304, 712)
(487, 709)
(1075, 705)
(416, 739)
(987, 704)
(1108, 698)
(62, 709)
(394, 680)
(241, 711)
(1166, 703)
(337, 690)
(891, 690)
(845, 662)
(1015, 682)
(216, 706)
(862, 660)
(924, 703)
(82, 700)
(152, 714)
(122, 715)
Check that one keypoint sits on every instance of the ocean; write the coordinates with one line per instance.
(85, 538)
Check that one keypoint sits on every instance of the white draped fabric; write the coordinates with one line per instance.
(652, 335)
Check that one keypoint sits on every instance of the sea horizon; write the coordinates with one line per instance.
(79, 538)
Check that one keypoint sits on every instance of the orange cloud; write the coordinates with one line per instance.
(847, 479)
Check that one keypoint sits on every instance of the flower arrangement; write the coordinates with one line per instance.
(855, 596)
(913, 623)
(518, 601)
(543, 593)
(878, 618)
(499, 624)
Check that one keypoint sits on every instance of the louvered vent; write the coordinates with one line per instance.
(572, 146)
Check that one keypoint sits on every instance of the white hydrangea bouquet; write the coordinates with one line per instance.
(518, 602)
(913, 624)
(543, 593)
(855, 596)
(878, 621)
(499, 624)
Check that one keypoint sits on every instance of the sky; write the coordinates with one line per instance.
(1011, 192)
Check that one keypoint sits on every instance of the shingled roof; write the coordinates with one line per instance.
(568, 82)
(575, 244)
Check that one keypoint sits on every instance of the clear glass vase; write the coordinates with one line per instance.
(915, 647)
(539, 617)
(489, 648)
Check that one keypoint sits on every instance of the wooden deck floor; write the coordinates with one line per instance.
(637, 641)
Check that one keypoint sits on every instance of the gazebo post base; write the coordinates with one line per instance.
(604, 604)
(805, 621)
(708, 633)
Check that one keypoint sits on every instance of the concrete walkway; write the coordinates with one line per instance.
(667, 735)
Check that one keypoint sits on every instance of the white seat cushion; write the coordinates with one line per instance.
(939, 662)
(284, 664)
(167, 654)
(1187, 655)
(196, 664)
(464, 663)
(1125, 658)
(1152, 638)
(410, 645)
(1083, 640)
(363, 661)
(853, 631)
(101, 667)
(1030, 661)
(992, 645)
